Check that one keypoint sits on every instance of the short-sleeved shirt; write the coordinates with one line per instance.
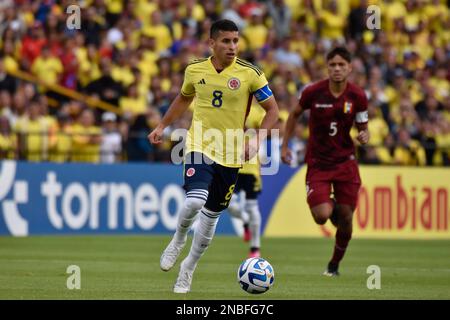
(330, 122)
(221, 104)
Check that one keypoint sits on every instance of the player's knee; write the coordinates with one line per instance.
(320, 219)
(194, 203)
(251, 206)
(234, 205)
(321, 213)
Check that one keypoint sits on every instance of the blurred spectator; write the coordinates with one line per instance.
(7, 140)
(332, 24)
(284, 55)
(61, 148)
(33, 132)
(298, 145)
(132, 54)
(111, 146)
(357, 20)
(231, 12)
(132, 103)
(86, 138)
(7, 82)
(32, 44)
(408, 151)
(47, 67)
(138, 148)
(256, 32)
(385, 152)
(93, 24)
(70, 64)
(88, 65)
(105, 87)
(159, 31)
(281, 17)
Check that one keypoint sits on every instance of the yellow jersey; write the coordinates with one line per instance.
(83, 150)
(253, 168)
(221, 104)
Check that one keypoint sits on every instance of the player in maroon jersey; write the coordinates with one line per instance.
(334, 104)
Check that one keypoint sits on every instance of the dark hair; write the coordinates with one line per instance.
(222, 25)
(340, 51)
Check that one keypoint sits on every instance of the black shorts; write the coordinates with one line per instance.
(249, 184)
(219, 180)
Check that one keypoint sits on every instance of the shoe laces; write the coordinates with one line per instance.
(173, 250)
(185, 278)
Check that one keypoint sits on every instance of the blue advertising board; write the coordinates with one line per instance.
(49, 198)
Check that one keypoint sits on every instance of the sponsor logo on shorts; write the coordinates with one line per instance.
(190, 172)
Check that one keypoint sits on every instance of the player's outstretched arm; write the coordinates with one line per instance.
(286, 155)
(176, 109)
(268, 122)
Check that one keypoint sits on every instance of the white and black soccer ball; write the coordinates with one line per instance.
(255, 275)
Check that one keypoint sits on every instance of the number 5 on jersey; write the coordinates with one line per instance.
(333, 129)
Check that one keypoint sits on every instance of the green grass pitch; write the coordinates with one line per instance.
(127, 267)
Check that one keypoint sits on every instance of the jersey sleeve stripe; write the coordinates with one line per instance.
(197, 61)
(187, 94)
(250, 65)
(362, 117)
(258, 72)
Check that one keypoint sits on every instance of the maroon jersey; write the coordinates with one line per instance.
(330, 122)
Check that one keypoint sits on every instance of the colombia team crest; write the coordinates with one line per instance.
(190, 172)
(234, 83)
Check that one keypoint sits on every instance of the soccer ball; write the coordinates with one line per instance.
(255, 275)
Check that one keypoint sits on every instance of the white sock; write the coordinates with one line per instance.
(234, 208)
(203, 236)
(251, 206)
(195, 199)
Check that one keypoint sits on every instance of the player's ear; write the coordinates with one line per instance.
(211, 42)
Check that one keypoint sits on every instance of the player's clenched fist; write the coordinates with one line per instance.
(250, 149)
(286, 155)
(363, 136)
(155, 137)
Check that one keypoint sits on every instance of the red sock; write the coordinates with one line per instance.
(342, 240)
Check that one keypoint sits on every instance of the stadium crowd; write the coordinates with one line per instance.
(132, 53)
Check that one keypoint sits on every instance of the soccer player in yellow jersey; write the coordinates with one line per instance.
(223, 86)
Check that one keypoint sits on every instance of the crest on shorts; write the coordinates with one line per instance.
(234, 83)
(190, 172)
